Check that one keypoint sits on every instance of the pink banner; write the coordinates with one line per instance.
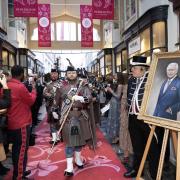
(86, 26)
(44, 25)
(25, 8)
(103, 9)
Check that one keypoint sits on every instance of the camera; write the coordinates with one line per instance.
(1, 76)
(30, 80)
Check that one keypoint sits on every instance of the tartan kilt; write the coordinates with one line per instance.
(76, 118)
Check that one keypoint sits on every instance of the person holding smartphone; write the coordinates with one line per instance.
(19, 121)
(4, 104)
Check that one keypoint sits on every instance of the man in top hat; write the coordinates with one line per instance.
(49, 94)
(139, 131)
(76, 130)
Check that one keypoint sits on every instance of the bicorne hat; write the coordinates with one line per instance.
(139, 61)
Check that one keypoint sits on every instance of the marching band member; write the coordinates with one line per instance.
(77, 127)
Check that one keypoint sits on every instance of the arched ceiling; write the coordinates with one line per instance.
(65, 7)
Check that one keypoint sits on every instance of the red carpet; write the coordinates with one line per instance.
(102, 164)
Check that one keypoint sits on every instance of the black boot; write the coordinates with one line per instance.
(3, 170)
(68, 174)
(130, 174)
(27, 173)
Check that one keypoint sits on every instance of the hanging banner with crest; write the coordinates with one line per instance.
(25, 8)
(86, 26)
(103, 9)
(44, 25)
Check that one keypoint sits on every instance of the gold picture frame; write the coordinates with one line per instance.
(157, 76)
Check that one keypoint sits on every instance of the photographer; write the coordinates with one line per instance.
(4, 103)
(20, 120)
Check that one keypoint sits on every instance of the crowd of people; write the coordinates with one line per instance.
(73, 109)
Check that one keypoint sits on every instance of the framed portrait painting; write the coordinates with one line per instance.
(161, 100)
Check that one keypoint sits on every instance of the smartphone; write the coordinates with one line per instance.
(1, 73)
(30, 80)
(1, 76)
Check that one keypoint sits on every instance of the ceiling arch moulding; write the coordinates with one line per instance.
(65, 7)
(69, 7)
(64, 17)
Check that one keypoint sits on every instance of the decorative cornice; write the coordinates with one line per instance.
(103, 52)
(9, 46)
(3, 31)
(120, 47)
(155, 14)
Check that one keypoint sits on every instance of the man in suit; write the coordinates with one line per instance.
(168, 104)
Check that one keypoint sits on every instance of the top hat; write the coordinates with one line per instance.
(70, 68)
(139, 61)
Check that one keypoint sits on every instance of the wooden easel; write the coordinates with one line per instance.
(176, 142)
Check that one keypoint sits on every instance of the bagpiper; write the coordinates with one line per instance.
(49, 94)
(77, 129)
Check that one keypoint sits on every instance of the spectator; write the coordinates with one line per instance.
(139, 131)
(4, 103)
(7, 74)
(114, 88)
(19, 121)
(124, 137)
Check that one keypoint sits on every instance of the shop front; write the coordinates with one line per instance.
(38, 68)
(7, 52)
(105, 61)
(96, 67)
(120, 54)
(26, 59)
(148, 34)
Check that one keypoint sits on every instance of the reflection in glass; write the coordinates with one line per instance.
(159, 34)
(145, 40)
(102, 66)
(11, 60)
(23, 60)
(5, 57)
(118, 62)
(124, 60)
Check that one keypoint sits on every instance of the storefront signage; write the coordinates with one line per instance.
(25, 8)
(86, 26)
(134, 45)
(44, 25)
(103, 9)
